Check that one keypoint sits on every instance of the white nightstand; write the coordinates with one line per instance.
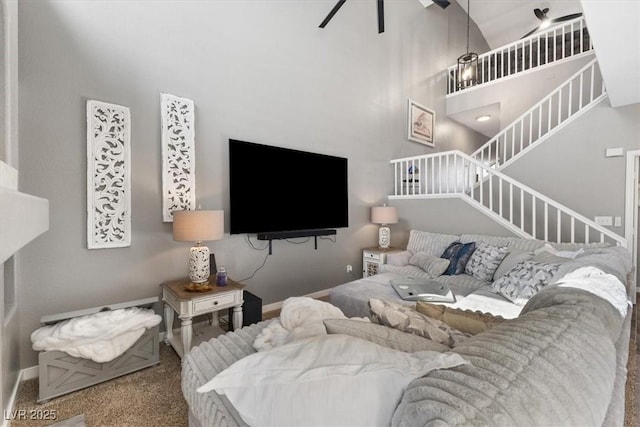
(374, 258)
(189, 304)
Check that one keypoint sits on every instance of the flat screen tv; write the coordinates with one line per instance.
(274, 189)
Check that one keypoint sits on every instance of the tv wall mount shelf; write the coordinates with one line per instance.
(281, 235)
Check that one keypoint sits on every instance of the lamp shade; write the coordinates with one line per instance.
(198, 226)
(384, 215)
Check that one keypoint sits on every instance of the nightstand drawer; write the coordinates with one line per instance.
(213, 302)
(372, 255)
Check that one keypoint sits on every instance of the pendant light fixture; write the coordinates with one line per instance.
(467, 63)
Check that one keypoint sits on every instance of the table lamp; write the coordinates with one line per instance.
(198, 226)
(384, 215)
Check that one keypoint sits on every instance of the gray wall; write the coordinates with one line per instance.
(4, 380)
(257, 70)
(3, 72)
(9, 317)
(449, 216)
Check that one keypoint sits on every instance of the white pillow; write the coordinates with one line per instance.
(399, 259)
(553, 251)
(328, 380)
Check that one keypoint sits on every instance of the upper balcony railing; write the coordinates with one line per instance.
(546, 47)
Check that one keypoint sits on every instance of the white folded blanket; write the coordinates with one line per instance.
(100, 337)
(599, 283)
(300, 317)
(486, 304)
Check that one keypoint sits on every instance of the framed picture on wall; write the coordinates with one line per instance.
(421, 123)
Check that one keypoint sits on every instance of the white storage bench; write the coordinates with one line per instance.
(60, 373)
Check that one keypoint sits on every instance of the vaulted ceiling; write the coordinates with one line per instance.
(614, 26)
(505, 21)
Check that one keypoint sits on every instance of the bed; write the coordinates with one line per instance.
(560, 361)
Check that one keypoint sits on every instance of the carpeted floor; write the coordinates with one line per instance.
(631, 397)
(632, 401)
(151, 397)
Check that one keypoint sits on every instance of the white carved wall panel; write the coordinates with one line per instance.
(108, 175)
(178, 155)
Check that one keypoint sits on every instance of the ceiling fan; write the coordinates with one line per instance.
(545, 21)
(442, 3)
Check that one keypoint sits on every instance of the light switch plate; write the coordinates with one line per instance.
(617, 221)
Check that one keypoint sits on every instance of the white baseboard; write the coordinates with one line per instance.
(278, 305)
(29, 373)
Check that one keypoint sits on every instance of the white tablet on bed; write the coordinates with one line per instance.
(410, 289)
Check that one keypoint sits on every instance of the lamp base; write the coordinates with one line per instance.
(384, 237)
(199, 264)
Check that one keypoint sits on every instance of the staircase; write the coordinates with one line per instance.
(478, 179)
(580, 92)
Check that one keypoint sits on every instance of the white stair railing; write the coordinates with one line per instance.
(581, 91)
(569, 39)
(523, 210)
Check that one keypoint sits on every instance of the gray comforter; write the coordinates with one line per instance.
(561, 363)
(555, 365)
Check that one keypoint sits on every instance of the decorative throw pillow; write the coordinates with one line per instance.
(467, 321)
(433, 265)
(382, 335)
(514, 257)
(485, 261)
(524, 280)
(458, 255)
(406, 319)
(549, 258)
(431, 243)
(399, 259)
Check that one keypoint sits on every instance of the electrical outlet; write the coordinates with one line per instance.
(614, 152)
(604, 220)
(349, 268)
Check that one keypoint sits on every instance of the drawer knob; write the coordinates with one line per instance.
(215, 303)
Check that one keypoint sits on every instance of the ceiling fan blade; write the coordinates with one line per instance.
(539, 14)
(567, 17)
(442, 3)
(380, 16)
(530, 32)
(333, 12)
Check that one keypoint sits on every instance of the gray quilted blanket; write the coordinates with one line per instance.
(555, 365)
(207, 360)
